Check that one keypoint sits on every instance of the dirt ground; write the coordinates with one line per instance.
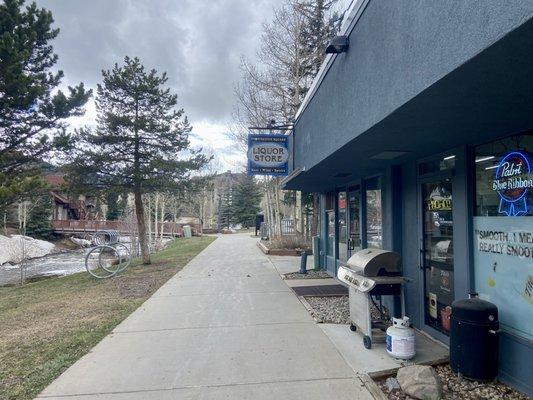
(46, 326)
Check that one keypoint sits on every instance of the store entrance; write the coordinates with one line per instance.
(330, 242)
(437, 251)
(354, 218)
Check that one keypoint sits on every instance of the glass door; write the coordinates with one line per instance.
(354, 224)
(342, 227)
(374, 217)
(437, 252)
(330, 242)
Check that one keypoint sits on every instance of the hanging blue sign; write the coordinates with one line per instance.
(512, 182)
(268, 154)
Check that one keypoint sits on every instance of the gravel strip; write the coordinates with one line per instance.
(311, 274)
(335, 309)
(330, 309)
(453, 389)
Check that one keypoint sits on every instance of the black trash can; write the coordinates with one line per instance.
(474, 339)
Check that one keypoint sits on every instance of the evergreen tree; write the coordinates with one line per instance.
(225, 208)
(32, 119)
(116, 204)
(39, 222)
(317, 31)
(136, 145)
(246, 199)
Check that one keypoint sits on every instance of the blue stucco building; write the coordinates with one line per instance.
(419, 139)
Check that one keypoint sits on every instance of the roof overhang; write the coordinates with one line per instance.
(488, 97)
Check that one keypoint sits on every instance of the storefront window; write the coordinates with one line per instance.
(503, 230)
(343, 234)
(374, 231)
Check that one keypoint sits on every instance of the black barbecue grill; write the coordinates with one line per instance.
(371, 274)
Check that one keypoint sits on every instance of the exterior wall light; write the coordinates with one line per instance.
(339, 44)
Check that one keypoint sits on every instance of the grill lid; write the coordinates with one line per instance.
(375, 262)
(475, 310)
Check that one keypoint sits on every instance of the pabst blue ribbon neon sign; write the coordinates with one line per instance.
(513, 181)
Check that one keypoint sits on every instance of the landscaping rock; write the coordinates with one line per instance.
(392, 384)
(420, 382)
(454, 388)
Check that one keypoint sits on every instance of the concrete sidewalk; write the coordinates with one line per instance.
(225, 327)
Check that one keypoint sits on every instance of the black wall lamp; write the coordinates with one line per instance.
(339, 44)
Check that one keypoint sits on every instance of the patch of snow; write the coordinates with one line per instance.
(16, 248)
(64, 271)
(10, 266)
(81, 242)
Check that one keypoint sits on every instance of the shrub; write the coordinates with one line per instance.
(290, 242)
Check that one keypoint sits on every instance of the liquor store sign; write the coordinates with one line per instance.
(268, 154)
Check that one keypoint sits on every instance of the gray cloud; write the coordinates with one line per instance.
(198, 43)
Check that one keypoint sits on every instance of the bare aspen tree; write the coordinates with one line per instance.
(155, 215)
(162, 217)
(22, 214)
(147, 199)
(273, 88)
(24, 208)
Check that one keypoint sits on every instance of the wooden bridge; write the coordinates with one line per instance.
(170, 229)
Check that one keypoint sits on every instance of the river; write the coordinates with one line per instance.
(58, 264)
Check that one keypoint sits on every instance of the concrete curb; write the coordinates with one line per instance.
(280, 252)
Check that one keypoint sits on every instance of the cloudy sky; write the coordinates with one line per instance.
(197, 42)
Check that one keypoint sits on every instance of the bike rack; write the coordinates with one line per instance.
(107, 241)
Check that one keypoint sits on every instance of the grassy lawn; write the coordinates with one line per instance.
(46, 326)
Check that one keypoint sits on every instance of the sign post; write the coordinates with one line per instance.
(268, 154)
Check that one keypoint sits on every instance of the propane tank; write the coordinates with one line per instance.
(401, 339)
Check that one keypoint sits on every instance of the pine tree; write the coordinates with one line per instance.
(225, 208)
(137, 143)
(116, 204)
(32, 119)
(246, 199)
(39, 222)
(318, 29)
